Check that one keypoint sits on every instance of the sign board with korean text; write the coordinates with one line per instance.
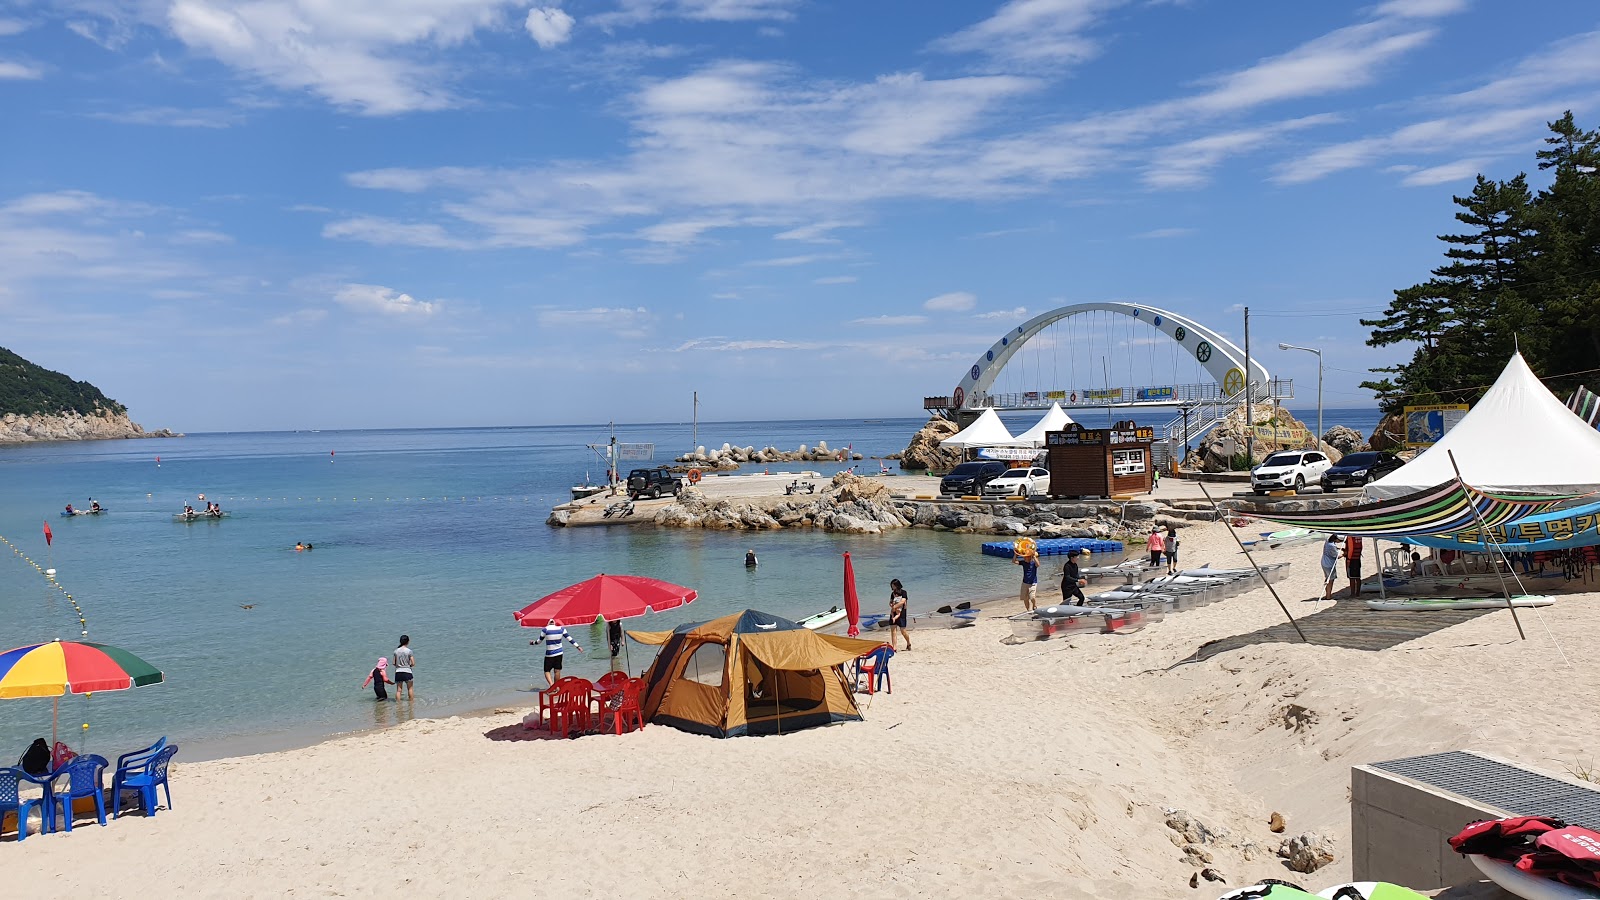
(636, 452)
(1013, 454)
(1154, 393)
(1426, 425)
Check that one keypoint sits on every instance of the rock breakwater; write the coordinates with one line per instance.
(729, 457)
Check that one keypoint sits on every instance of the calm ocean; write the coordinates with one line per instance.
(436, 533)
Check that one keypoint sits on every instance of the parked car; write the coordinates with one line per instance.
(970, 477)
(653, 483)
(1357, 469)
(1289, 469)
(1025, 481)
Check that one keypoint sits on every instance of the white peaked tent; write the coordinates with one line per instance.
(989, 431)
(1054, 419)
(1518, 438)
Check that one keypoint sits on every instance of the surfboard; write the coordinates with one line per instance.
(1369, 890)
(823, 619)
(1530, 887)
(1403, 604)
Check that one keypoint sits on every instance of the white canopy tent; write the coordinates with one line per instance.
(988, 431)
(1054, 419)
(1519, 438)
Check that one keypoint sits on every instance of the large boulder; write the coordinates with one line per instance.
(924, 451)
(848, 487)
(1345, 439)
(1390, 434)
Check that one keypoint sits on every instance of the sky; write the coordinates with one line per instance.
(282, 214)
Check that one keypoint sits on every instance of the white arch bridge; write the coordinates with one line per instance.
(1097, 357)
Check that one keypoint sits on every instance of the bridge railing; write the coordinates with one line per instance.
(1164, 395)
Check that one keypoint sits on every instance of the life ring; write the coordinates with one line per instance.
(1024, 547)
(694, 476)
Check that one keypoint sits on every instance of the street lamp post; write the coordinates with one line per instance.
(1282, 346)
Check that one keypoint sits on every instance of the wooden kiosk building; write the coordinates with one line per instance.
(1100, 462)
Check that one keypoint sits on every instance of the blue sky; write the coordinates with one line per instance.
(368, 213)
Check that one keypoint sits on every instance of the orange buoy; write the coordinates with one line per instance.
(694, 476)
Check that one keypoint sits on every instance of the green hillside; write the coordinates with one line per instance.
(27, 389)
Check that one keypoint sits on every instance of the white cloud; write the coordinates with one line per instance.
(1033, 31)
(1014, 315)
(366, 55)
(719, 345)
(300, 317)
(784, 262)
(890, 320)
(1420, 9)
(636, 12)
(1190, 164)
(373, 298)
(15, 71)
(621, 319)
(386, 232)
(9, 27)
(815, 233)
(1163, 233)
(173, 117)
(549, 26)
(201, 236)
(956, 301)
(835, 279)
(1340, 60)
(1460, 170)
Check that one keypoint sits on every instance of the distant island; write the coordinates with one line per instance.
(37, 404)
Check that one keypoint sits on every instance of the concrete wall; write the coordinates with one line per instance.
(1400, 831)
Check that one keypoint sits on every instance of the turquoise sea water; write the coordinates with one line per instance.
(436, 533)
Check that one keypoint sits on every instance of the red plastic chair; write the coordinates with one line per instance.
(629, 711)
(570, 704)
(875, 667)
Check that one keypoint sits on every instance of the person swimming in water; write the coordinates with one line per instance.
(750, 561)
(70, 511)
(94, 505)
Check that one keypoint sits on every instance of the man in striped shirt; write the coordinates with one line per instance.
(554, 635)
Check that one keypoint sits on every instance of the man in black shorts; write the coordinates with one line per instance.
(1071, 580)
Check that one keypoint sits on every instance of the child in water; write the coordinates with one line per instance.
(378, 677)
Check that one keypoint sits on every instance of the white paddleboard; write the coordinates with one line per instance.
(823, 619)
(1531, 887)
(1401, 604)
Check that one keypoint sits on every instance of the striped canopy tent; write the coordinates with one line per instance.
(1442, 509)
(1586, 405)
(1562, 529)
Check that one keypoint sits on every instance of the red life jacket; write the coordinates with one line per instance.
(1505, 839)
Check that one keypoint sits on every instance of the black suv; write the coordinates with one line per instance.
(653, 483)
(970, 477)
(1357, 469)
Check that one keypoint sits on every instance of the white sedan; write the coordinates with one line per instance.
(1020, 482)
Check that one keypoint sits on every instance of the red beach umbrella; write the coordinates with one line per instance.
(852, 603)
(608, 597)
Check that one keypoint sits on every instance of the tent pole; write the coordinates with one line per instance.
(1247, 555)
(55, 716)
(1484, 539)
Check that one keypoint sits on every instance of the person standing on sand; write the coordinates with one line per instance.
(554, 635)
(1170, 548)
(1156, 546)
(404, 660)
(1030, 579)
(1330, 565)
(1352, 563)
(899, 616)
(1072, 580)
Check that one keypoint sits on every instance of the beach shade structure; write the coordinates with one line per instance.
(608, 597)
(749, 673)
(71, 667)
(1054, 419)
(852, 600)
(987, 431)
(1518, 439)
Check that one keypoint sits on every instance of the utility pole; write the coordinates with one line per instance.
(1249, 402)
(694, 441)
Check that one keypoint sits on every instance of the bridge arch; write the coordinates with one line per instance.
(1220, 357)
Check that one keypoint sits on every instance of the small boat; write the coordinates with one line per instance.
(580, 491)
(1403, 604)
(84, 512)
(190, 517)
(833, 616)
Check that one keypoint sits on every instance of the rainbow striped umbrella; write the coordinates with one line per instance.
(78, 667)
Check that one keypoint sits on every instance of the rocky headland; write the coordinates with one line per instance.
(100, 425)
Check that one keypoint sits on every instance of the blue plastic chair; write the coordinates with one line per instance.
(875, 666)
(132, 764)
(145, 780)
(82, 779)
(12, 801)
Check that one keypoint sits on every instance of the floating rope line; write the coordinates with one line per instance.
(83, 621)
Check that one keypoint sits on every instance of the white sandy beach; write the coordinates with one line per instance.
(993, 770)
